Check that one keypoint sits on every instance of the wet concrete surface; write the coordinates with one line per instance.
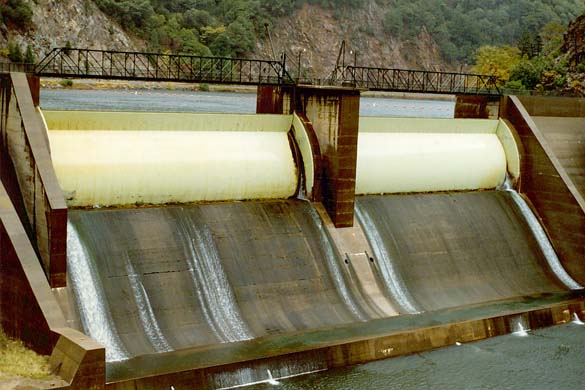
(457, 249)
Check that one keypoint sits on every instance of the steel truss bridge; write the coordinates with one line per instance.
(121, 65)
(421, 81)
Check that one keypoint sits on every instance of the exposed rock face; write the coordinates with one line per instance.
(320, 33)
(574, 44)
(55, 22)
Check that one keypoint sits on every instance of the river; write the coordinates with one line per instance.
(549, 358)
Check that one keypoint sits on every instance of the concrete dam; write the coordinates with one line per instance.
(219, 250)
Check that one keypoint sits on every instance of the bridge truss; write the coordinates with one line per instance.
(416, 81)
(109, 64)
(120, 65)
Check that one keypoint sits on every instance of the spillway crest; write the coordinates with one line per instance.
(179, 277)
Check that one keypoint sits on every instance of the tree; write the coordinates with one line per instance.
(497, 61)
(527, 73)
(16, 13)
(14, 52)
(29, 56)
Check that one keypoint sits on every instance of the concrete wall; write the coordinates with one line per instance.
(553, 106)
(29, 311)
(548, 186)
(30, 177)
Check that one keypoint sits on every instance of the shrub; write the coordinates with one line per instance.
(14, 52)
(66, 83)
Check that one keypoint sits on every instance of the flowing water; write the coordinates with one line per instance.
(145, 311)
(211, 283)
(93, 307)
(541, 237)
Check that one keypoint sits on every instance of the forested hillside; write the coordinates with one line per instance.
(431, 34)
(232, 27)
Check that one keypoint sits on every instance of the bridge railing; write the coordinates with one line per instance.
(89, 63)
(403, 80)
(7, 67)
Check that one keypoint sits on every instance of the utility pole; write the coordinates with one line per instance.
(270, 40)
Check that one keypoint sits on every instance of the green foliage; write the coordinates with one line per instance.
(66, 83)
(14, 52)
(29, 55)
(497, 61)
(16, 13)
(460, 27)
(527, 73)
(232, 27)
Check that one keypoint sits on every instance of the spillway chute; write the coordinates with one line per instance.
(211, 283)
(392, 279)
(541, 237)
(93, 307)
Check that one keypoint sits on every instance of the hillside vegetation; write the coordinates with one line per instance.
(232, 27)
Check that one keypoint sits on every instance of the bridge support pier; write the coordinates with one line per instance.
(478, 107)
(334, 114)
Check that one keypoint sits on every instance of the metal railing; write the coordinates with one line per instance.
(109, 64)
(7, 67)
(416, 81)
(121, 65)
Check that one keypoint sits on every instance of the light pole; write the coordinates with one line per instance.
(299, 64)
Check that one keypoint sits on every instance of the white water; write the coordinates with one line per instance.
(145, 311)
(212, 286)
(271, 380)
(246, 377)
(334, 270)
(391, 279)
(95, 316)
(577, 320)
(519, 328)
(541, 237)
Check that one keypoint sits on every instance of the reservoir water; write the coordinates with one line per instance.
(242, 103)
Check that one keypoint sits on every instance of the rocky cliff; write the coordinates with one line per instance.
(56, 22)
(316, 33)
